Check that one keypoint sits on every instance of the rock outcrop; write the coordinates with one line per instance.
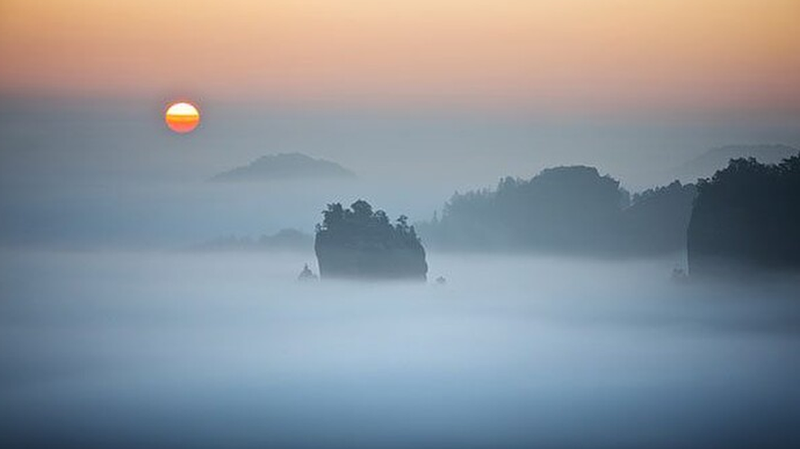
(746, 220)
(306, 275)
(359, 243)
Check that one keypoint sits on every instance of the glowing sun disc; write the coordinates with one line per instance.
(182, 117)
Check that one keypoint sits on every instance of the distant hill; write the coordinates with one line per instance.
(566, 210)
(708, 163)
(285, 166)
(283, 240)
(563, 209)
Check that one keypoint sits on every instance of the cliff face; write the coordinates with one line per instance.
(746, 220)
(657, 221)
(339, 261)
(358, 243)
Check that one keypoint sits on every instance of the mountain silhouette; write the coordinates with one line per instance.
(285, 166)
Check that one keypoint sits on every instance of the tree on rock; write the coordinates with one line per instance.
(746, 219)
(358, 242)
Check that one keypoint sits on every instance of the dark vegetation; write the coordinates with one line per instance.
(657, 219)
(361, 243)
(564, 210)
(746, 220)
(715, 159)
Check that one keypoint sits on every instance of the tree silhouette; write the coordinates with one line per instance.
(359, 242)
(746, 219)
(564, 210)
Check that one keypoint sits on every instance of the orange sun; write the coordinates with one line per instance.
(182, 117)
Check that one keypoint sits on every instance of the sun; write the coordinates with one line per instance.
(182, 117)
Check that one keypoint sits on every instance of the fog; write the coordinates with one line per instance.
(82, 174)
(113, 335)
(169, 349)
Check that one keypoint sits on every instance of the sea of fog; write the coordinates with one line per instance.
(146, 349)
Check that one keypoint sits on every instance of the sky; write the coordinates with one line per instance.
(573, 55)
(420, 98)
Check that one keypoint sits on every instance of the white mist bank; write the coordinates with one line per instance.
(210, 350)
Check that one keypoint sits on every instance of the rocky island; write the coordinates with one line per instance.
(359, 243)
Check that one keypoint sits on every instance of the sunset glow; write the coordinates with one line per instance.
(721, 55)
(182, 117)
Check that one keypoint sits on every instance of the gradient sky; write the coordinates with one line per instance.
(709, 55)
